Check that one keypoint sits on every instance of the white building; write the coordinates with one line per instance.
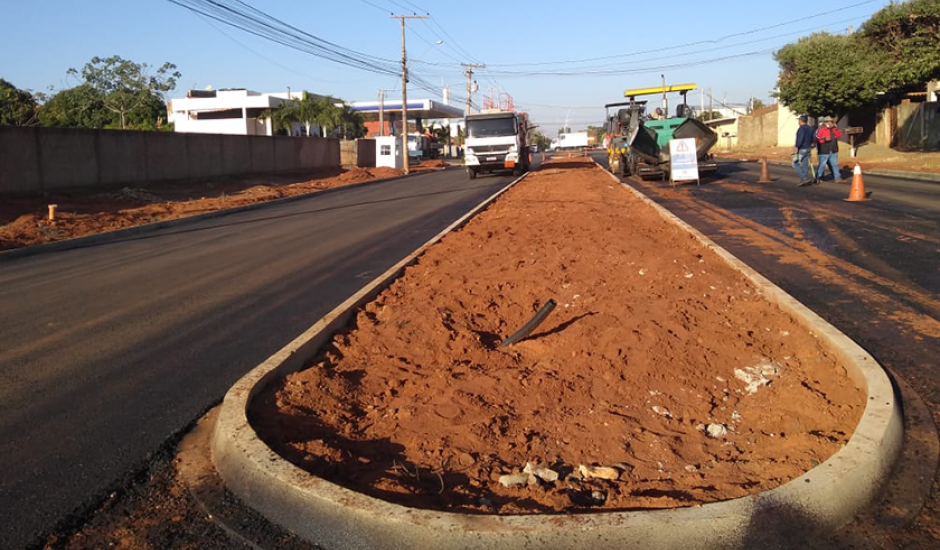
(234, 112)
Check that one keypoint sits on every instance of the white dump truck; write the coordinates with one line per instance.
(496, 140)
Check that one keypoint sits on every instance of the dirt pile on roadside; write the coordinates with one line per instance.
(23, 221)
(662, 379)
(433, 164)
(357, 175)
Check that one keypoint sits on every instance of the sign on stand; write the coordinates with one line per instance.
(683, 160)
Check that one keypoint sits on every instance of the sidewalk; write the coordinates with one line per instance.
(874, 159)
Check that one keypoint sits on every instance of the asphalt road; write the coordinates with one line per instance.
(109, 351)
(871, 268)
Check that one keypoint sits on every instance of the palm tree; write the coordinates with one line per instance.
(306, 111)
(353, 125)
(327, 115)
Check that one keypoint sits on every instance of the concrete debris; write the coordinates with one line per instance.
(545, 474)
(623, 466)
(756, 376)
(513, 480)
(599, 472)
(662, 411)
(716, 430)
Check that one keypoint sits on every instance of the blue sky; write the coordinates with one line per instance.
(684, 37)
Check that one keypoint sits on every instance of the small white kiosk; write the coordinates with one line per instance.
(388, 152)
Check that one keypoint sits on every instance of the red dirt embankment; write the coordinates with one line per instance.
(24, 221)
(662, 379)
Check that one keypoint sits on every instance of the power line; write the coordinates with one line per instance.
(239, 15)
(802, 19)
(642, 70)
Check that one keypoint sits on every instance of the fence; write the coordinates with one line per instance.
(918, 126)
(44, 159)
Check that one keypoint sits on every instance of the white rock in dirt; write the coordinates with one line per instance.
(716, 430)
(756, 376)
(512, 480)
(545, 474)
(642, 272)
(599, 472)
(662, 411)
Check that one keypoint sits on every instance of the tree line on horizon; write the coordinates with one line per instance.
(116, 93)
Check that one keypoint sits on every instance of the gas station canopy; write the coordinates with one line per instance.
(425, 109)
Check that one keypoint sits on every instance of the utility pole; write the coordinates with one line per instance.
(711, 106)
(382, 112)
(404, 85)
(469, 75)
(665, 101)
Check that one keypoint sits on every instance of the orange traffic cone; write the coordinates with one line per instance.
(857, 193)
(764, 171)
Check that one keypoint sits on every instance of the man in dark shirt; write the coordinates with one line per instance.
(827, 141)
(802, 150)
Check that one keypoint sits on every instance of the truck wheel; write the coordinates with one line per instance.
(472, 173)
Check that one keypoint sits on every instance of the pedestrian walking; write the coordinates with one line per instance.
(827, 143)
(802, 150)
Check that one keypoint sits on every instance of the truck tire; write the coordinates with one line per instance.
(472, 173)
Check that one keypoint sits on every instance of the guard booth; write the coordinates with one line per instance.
(389, 152)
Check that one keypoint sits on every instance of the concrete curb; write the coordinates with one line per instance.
(789, 516)
(110, 236)
(916, 176)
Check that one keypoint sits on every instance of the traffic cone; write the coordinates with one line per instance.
(764, 171)
(857, 193)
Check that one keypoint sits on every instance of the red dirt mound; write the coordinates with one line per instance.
(662, 379)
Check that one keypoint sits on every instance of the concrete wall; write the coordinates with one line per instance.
(759, 129)
(357, 152)
(727, 135)
(42, 159)
(787, 125)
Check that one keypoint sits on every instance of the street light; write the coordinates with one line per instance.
(438, 43)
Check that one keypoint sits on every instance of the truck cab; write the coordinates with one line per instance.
(496, 140)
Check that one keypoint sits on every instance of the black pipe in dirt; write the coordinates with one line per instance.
(530, 326)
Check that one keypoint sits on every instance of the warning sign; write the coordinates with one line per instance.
(683, 160)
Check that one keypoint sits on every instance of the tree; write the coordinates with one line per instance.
(895, 50)
(711, 115)
(352, 122)
(316, 110)
(328, 116)
(538, 138)
(754, 104)
(906, 34)
(598, 133)
(127, 89)
(79, 107)
(827, 74)
(17, 107)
